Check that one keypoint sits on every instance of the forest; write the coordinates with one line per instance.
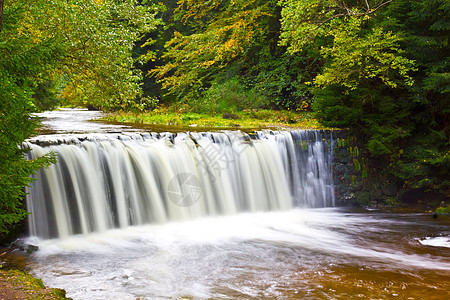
(379, 68)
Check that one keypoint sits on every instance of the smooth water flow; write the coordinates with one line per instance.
(217, 215)
(119, 180)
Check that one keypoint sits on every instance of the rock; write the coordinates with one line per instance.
(389, 189)
(22, 246)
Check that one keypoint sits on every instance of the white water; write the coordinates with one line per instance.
(440, 241)
(252, 246)
(115, 181)
(273, 255)
(75, 120)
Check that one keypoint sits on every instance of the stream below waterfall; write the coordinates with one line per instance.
(260, 224)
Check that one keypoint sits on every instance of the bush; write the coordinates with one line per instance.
(229, 96)
(15, 126)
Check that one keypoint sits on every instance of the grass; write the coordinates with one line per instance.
(246, 119)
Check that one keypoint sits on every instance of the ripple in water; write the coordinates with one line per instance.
(315, 253)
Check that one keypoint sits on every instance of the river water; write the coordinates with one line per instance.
(299, 253)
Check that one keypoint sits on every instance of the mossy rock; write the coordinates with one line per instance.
(17, 284)
(443, 210)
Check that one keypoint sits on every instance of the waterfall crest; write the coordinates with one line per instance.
(110, 181)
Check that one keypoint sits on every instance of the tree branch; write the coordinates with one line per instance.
(348, 12)
(2, 2)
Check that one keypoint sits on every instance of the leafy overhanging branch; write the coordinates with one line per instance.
(303, 21)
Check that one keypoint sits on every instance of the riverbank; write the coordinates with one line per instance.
(18, 284)
(15, 284)
(246, 119)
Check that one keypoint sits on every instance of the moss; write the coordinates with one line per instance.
(15, 282)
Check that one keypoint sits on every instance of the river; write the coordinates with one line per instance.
(294, 253)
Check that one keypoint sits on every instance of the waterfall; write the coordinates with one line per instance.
(110, 181)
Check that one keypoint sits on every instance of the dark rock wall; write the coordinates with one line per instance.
(352, 186)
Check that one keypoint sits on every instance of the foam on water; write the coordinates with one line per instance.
(245, 255)
(440, 241)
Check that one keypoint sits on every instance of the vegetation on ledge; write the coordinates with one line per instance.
(250, 118)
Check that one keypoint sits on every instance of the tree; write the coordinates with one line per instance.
(99, 36)
(364, 64)
(227, 33)
(304, 21)
(87, 43)
(220, 45)
(23, 60)
(425, 161)
(385, 77)
(15, 170)
(2, 2)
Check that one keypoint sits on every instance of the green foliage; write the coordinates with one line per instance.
(94, 65)
(99, 36)
(46, 96)
(303, 22)
(443, 210)
(24, 62)
(275, 74)
(217, 41)
(425, 163)
(228, 97)
(15, 125)
(363, 62)
(248, 118)
(385, 76)
(356, 58)
(228, 36)
(426, 25)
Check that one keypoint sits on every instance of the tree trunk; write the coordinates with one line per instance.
(1, 14)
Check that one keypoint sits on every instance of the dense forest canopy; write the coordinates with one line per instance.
(377, 67)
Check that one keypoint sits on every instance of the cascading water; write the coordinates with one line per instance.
(110, 181)
(208, 216)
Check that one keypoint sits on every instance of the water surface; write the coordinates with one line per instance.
(300, 254)
(324, 253)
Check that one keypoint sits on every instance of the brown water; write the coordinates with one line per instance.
(299, 254)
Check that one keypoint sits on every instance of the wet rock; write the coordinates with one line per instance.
(21, 245)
